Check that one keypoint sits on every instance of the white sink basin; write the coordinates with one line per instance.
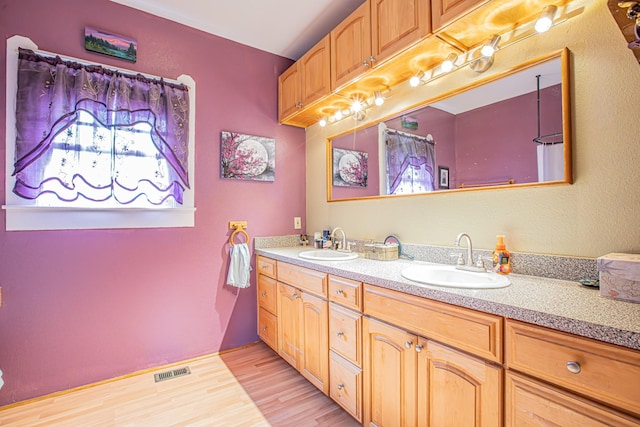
(327, 255)
(449, 276)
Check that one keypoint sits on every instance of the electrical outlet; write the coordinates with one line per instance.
(297, 223)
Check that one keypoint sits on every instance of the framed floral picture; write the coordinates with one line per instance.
(247, 157)
(350, 168)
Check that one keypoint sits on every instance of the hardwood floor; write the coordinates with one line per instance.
(251, 386)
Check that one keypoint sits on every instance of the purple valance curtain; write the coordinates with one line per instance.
(410, 163)
(53, 93)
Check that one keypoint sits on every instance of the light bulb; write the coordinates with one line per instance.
(545, 22)
(448, 63)
(323, 122)
(378, 99)
(490, 48)
(338, 115)
(415, 81)
(356, 106)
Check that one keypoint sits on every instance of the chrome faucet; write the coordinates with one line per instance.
(468, 266)
(342, 245)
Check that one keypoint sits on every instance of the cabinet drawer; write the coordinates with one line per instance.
(268, 328)
(346, 385)
(345, 333)
(266, 266)
(465, 329)
(603, 371)
(303, 278)
(530, 403)
(346, 292)
(267, 293)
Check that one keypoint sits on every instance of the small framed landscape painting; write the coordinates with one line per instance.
(110, 44)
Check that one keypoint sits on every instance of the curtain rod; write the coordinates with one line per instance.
(411, 135)
(111, 67)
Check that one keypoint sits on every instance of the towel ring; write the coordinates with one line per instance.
(239, 230)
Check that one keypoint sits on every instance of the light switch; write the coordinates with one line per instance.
(297, 223)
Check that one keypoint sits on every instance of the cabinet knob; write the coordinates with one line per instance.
(408, 344)
(339, 292)
(264, 293)
(264, 329)
(365, 63)
(419, 348)
(340, 334)
(372, 59)
(340, 386)
(574, 367)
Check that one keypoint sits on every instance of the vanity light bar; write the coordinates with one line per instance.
(483, 54)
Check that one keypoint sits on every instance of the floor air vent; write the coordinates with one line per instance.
(167, 375)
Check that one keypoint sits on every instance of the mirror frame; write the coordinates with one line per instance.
(562, 54)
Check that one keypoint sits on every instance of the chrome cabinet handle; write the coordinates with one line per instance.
(340, 292)
(419, 348)
(408, 344)
(372, 59)
(264, 329)
(365, 63)
(574, 367)
(264, 293)
(340, 386)
(340, 334)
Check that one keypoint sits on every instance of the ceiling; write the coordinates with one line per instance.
(284, 27)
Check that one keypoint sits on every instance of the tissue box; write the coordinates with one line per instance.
(381, 252)
(620, 276)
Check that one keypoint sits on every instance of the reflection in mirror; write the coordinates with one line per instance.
(510, 130)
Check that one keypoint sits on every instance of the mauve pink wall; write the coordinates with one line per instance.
(83, 306)
(485, 156)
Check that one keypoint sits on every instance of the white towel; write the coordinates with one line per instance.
(239, 266)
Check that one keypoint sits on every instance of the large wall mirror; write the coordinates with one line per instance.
(509, 130)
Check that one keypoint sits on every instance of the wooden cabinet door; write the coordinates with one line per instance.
(397, 24)
(289, 97)
(455, 389)
(288, 323)
(313, 339)
(315, 72)
(351, 46)
(530, 403)
(445, 11)
(390, 374)
(268, 328)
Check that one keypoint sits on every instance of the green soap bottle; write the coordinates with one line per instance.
(501, 257)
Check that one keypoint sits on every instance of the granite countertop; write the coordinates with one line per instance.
(558, 304)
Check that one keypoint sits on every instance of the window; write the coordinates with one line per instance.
(96, 148)
(410, 162)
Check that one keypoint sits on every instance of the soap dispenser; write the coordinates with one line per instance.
(501, 257)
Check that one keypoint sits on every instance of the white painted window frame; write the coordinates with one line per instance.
(23, 214)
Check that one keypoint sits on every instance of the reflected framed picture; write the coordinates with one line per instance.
(247, 157)
(443, 174)
(350, 168)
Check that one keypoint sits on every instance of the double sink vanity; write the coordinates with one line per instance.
(393, 350)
